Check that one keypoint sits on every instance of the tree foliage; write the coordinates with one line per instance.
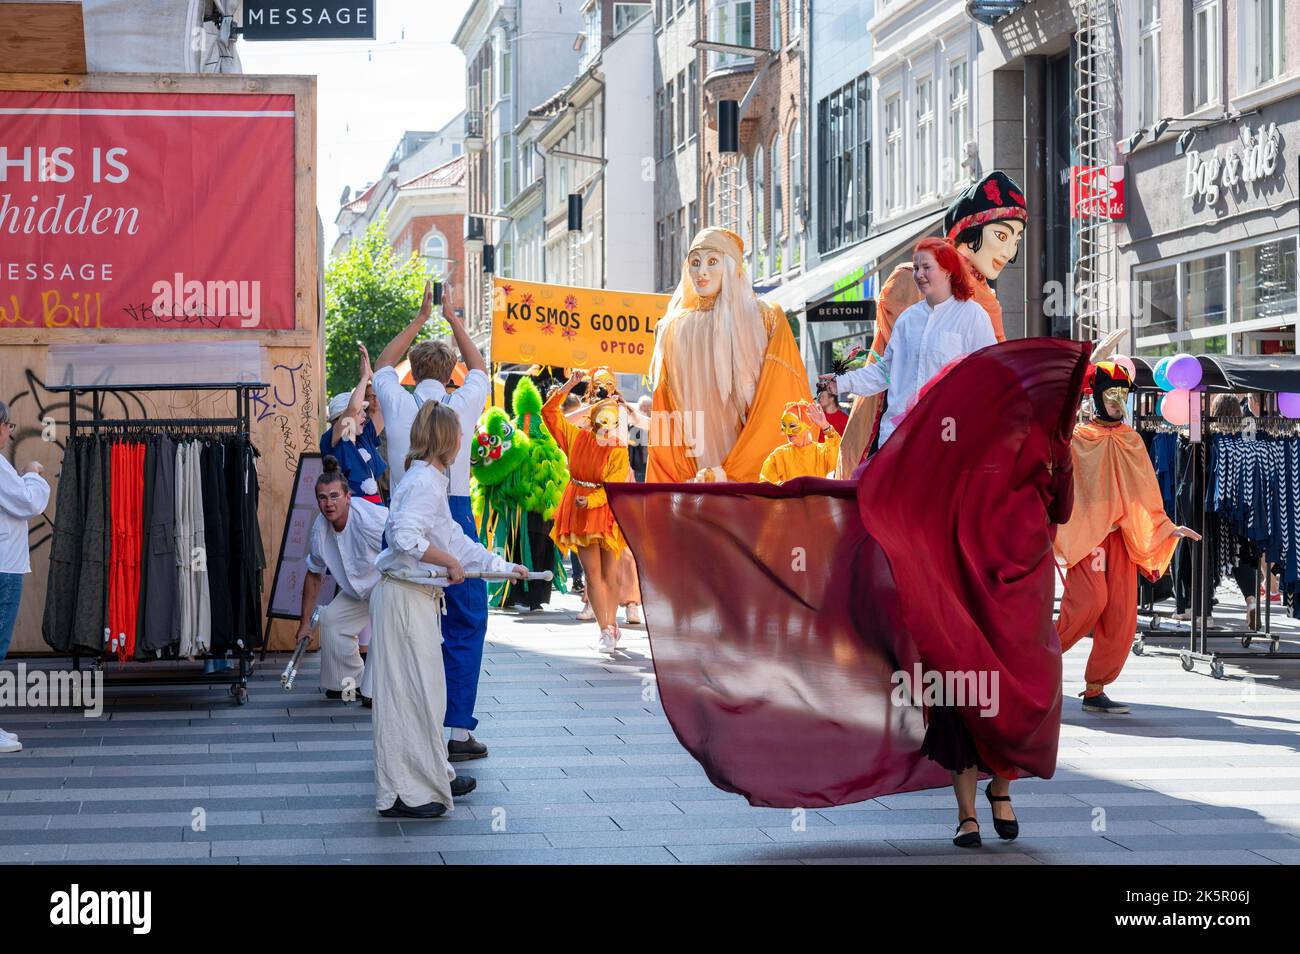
(370, 295)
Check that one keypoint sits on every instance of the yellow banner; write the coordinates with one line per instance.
(571, 327)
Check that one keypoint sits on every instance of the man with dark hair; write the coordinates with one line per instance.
(345, 542)
(465, 628)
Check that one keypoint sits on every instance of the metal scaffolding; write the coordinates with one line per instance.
(1095, 292)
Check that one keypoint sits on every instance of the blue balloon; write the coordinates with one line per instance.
(1161, 373)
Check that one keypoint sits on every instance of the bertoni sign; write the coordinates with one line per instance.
(295, 20)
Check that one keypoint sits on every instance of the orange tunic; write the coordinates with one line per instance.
(781, 380)
(1115, 486)
(592, 464)
(989, 302)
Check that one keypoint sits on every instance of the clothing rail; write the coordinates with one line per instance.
(237, 679)
(1199, 633)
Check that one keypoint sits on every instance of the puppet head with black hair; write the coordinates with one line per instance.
(1109, 384)
(987, 222)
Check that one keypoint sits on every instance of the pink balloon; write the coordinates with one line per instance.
(1127, 364)
(1176, 408)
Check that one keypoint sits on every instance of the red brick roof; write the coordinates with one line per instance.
(450, 173)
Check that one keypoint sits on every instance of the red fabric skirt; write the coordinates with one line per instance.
(782, 617)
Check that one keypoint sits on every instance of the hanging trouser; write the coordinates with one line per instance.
(541, 556)
(91, 617)
(341, 623)
(160, 614)
(146, 508)
(1101, 597)
(61, 602)
(463, 632)
(216, 535)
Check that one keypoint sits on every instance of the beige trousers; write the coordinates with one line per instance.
(410, 693)
(341, 622)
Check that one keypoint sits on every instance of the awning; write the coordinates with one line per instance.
(819, 283)
(1268, 373)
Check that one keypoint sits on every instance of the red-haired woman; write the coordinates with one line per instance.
(946, 324)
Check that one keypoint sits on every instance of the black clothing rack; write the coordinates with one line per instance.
(236, 678)
(1265, 375)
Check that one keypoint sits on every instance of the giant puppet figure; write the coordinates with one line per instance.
(987, 222)
(725, 365)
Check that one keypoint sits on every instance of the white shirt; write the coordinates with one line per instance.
(420, 517)
(21, 498)
(923, 342)
(400, 406)
(349, 556)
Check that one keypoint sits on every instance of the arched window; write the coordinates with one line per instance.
(795, 252)
(434, 252)
(745, 205)
(778, 212)
(713, 203)
(760, 220)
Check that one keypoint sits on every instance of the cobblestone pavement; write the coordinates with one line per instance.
(584, 768)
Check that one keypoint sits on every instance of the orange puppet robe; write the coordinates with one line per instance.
(782, 379)
(591, 463)
(812, 460)
(989, 302)
(1114, 487)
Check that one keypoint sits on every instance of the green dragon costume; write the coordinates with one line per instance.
(519, 476)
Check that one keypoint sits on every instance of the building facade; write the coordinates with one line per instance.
(1208, 243)
(516, 55)
(678, 117)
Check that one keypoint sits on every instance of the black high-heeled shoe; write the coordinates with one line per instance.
(1007, 830)
(967, 839)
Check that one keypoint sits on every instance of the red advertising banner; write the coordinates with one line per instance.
(146, 210)
(1097, 190)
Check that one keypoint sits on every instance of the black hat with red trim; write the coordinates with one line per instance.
(995, 198)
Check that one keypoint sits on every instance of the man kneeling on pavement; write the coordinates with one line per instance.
(345, 541)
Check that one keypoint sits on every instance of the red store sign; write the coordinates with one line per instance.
(1097, 191)
(146, 210)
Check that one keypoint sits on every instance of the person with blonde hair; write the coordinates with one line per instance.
(413, 774)
(432, 364)
(725, 365)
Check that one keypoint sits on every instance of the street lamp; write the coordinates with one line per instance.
(729, 164)
(575, 237)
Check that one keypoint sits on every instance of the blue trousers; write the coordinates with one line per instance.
(11, 594)
(463, 630)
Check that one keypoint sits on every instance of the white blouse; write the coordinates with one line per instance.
(22, 497)
(350, 556)
(923, 342)
(420, 517)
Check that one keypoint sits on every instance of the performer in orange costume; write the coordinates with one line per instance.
(1118, 527)
(801, 455)
(724, 367)
(583, 520)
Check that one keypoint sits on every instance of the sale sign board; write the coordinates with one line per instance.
(571, 327)
(146, 210)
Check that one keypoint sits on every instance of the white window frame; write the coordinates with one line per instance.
(758, 247)
(777, 261)
(1250, 43)
(1207, 88)
(796, 19)
(794, 205)
(726, 18)
(1148, 33)
(924, 150)
(958, 121)
(774, 37)
(893, 173)
(435, 237)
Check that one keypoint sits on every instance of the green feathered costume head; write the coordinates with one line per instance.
(498, 450)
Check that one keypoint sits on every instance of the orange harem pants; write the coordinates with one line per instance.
(1101, 597)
